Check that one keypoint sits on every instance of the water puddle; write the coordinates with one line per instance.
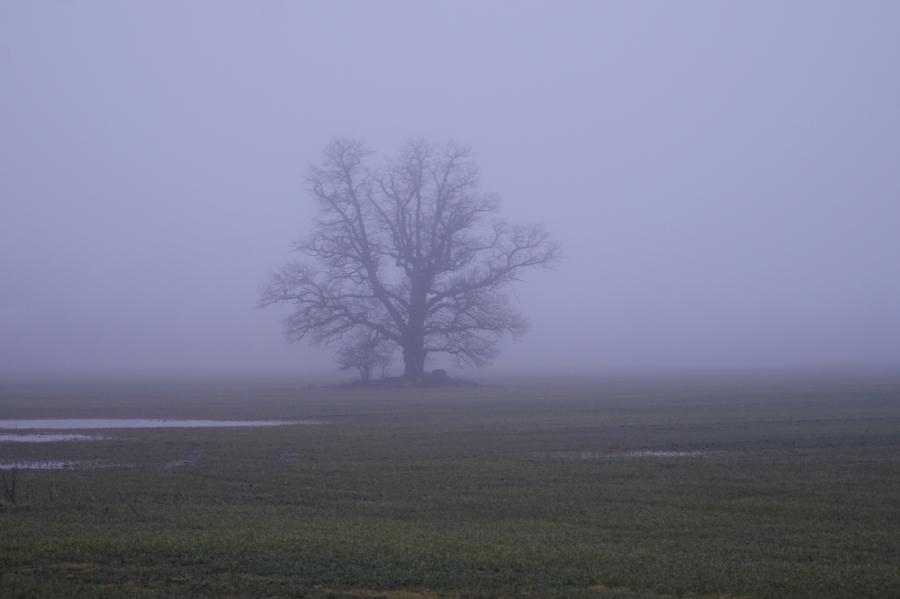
(120, 423)
(48, 465)
(106, 424)
(45, 438)
(641, 453)
(662, 453)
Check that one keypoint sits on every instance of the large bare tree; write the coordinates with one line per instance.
(410, 251)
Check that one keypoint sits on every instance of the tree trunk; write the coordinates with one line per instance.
(414, 343)
(414, 363)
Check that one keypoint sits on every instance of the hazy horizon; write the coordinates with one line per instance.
(721, 177)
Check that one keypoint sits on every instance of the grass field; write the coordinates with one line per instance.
(514, 491)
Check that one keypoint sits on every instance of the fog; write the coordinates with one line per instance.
(722, 177)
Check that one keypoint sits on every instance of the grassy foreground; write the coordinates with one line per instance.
(464, 492)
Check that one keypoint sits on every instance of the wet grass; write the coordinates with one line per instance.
(472, 492)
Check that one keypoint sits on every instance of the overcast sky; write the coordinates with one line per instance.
(723, 177)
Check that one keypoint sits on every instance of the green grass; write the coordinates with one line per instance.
(470, 492)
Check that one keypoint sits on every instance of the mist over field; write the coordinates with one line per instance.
(722, 178)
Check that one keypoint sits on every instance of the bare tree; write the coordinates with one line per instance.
(408, 252)
(367, 353)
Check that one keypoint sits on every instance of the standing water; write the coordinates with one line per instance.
(114, 423)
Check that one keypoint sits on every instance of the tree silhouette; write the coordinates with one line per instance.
(407, 253)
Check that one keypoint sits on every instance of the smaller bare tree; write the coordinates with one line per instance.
(367, 352)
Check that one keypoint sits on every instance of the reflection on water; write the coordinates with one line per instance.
(47, 465)
(45, 438)
(114, 423)
(100, 423)
(640, 453)
(656, 453)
